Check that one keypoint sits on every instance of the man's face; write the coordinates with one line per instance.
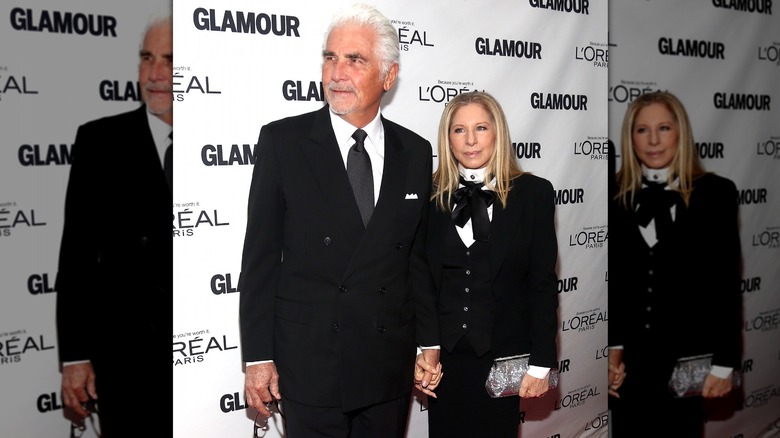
(155, 72)
(351, 74)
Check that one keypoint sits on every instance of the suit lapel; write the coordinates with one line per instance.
(505, 223)
(147, 158)
(391, 192)
(323, 157)
(391, 195)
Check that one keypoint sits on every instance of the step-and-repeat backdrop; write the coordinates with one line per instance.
(722, 59)
(242, 64)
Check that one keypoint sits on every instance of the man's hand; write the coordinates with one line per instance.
(78, 386)
(427, 371)
(261, 384)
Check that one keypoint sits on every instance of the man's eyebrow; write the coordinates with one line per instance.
(348, 55)
(143, 53)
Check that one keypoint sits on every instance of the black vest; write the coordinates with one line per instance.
(466, 301)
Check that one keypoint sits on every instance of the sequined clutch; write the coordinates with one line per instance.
(689, 373)
(506, 373)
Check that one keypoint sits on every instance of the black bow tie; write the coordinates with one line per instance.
(655, 202)
(477, 201)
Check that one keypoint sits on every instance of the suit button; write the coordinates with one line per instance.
(399, 245)
(382, 290)
(466, 308)
(468, 272)
(342, 288)
(467, 290)
(335, 327)
(382, 329)
(326, 241)
(465, 326)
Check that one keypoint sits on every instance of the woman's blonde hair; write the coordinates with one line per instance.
(685, 163)
(502, 166)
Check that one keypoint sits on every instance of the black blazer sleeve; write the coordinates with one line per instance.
(262, 253)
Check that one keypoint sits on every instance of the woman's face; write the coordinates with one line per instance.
(655, 135)
(472, 136)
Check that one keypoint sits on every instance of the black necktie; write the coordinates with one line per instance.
(359, 171)
(655, 202)
(471, 202)
(168, 162)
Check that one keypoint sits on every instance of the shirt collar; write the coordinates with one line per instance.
(159, 129)
(473, 175)
(658, 175)
(344, 131)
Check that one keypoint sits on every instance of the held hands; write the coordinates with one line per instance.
(532, 387)
(262, 386)
(78, 386)
(715, 386)
(617, 371)
(427, 371)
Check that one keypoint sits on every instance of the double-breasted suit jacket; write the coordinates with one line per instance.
(114, 285)
(522, 258)
(339, 308)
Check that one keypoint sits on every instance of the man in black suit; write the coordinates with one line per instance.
(114, 285)
(334, 302)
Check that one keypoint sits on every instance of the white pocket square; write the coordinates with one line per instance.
(411, 196)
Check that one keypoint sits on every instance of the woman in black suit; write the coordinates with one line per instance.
(674, 261)
(492, 251)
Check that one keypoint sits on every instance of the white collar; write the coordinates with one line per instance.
(159, 129)
(660, 176)
(655, 175)
(473, 175)
(344, 131)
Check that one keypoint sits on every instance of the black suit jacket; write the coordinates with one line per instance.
(523, 254)
(114, 285)
(695, 288)
(336, 306)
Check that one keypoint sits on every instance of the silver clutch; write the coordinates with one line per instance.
(689, 373)
(507, 372)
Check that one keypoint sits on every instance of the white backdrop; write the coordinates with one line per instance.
(735, 55)
(234, 79)
(230, 83)
(53, 78)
